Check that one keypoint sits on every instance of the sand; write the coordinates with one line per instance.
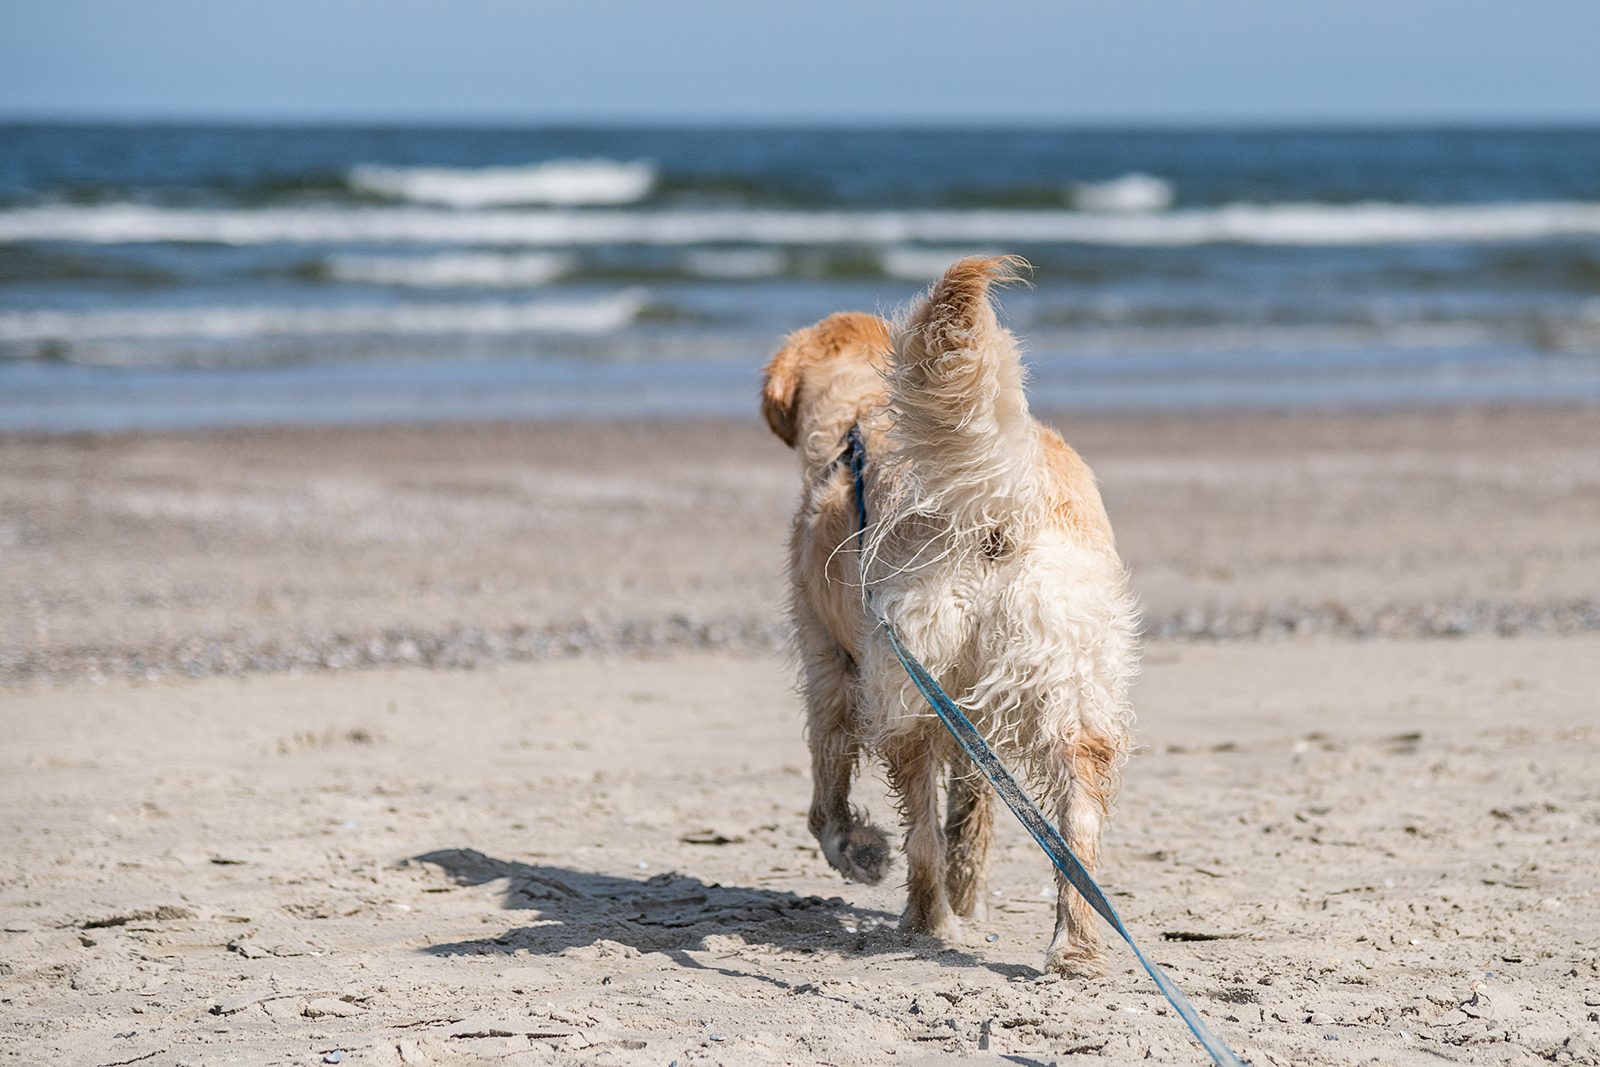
(606, 861)
(1348, 840)
(450, 546)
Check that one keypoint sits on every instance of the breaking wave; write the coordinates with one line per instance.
(1130, 194)
(565, 182)
(475, 270)
(246, 323)
(1282, 224)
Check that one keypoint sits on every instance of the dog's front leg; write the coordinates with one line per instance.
(853, 846)
(914, 774)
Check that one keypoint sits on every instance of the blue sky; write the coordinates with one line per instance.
(827, 61)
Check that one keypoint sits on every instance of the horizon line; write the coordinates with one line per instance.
(1262, 123)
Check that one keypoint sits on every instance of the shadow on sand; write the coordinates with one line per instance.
(600, 915)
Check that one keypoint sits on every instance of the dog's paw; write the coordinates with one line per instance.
(968, 901)
(945, 926)
(1076, 961)
(864, 855)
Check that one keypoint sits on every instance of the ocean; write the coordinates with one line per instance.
(187, 276)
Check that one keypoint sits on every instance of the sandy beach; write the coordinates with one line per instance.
(236, 551)
(476, 744)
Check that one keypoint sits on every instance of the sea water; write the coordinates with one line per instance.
(182, 275)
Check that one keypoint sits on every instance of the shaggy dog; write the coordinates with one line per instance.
(989, 550)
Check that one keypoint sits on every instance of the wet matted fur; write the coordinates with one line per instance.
(990, 551)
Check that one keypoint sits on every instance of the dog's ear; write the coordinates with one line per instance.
(848, 336)
(780, 390)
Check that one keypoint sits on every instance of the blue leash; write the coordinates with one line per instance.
(1017, 798)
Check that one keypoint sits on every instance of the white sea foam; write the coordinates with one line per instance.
(1130, 194)
(924, 264)
(1282, 224)
(244, 323)
(566, 181)
(480, 270)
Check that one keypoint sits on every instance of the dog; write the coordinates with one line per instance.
(988, 548)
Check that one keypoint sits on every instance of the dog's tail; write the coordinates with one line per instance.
(966, 445)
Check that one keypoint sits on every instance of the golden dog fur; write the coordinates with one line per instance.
(990, 551)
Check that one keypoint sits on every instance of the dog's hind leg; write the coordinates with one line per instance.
(853, 846)
(914, 774)
(1076, 947)
(969, 828)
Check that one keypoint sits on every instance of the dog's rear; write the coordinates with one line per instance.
(990, 552)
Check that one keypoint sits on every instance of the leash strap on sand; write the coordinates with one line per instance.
(1017, 798)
